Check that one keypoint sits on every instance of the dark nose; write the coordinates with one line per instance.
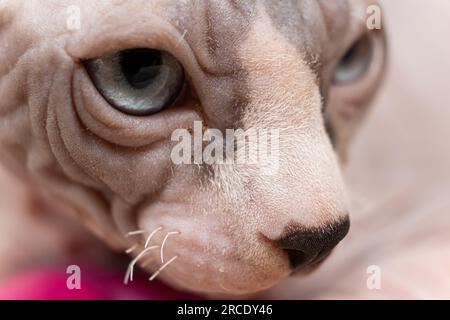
(310, 246)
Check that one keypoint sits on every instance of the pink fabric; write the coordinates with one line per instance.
(50, 284)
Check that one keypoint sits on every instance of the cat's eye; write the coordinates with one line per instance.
(355, 63)
(137, 81)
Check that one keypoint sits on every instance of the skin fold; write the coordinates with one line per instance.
(262, 64)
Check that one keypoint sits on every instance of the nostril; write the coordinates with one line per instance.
(296, 258)
(309, 246)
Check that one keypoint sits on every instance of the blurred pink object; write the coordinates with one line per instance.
(50, 284)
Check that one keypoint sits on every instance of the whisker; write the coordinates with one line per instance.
(223, 287)
(181, 38)
(134, 233)
(164, 242)
(129, 273)
(162, 268)
(151, 235)
(131, 249)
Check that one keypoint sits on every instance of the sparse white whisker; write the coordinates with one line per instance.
(151, 236)
(131, 249)
(134, 233)
(130, 269)
(223, 287)
(157, 272)
(181, 38)
(164, 242)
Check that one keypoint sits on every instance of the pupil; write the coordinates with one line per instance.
(140, 66)
(350, 55)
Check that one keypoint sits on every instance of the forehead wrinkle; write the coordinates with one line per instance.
(212, 28)
(214, 31)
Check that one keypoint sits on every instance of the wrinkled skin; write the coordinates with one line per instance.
(254, 65)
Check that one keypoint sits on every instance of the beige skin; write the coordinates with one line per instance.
(247, 66)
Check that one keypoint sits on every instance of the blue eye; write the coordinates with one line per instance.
(355, 63)
(138, 81)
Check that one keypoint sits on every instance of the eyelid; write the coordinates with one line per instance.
(146, 31)
(109, 75)
(361, 57)
(361, 90)
(141, 30)
(116, 127)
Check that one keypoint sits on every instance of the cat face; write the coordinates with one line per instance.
(89, 113)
